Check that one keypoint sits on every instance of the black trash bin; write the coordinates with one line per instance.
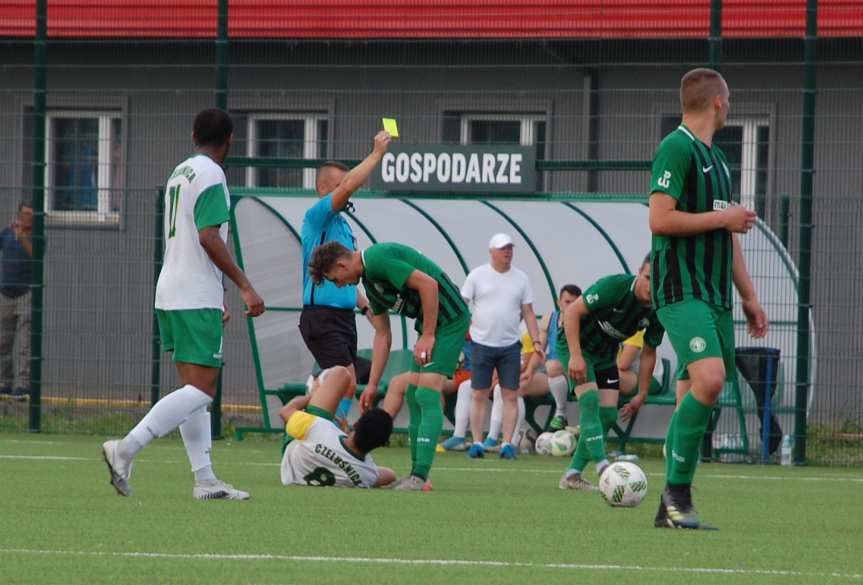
(759, 365)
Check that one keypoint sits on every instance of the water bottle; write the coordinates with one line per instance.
(785, 450)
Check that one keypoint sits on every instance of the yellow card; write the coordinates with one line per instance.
(391, 126)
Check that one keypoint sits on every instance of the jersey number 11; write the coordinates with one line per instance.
(174, 197)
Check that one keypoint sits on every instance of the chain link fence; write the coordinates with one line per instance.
(122, 86)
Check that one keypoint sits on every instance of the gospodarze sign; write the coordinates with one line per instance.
(473, 169)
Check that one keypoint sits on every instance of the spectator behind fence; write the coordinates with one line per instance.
(500, 296)
(16, 276)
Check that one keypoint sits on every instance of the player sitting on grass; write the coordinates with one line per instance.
(609, 311)
(320, 453)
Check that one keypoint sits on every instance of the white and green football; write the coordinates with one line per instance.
(542, 446)
(623, 484)
(562, 443)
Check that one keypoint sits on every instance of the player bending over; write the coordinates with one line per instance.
(610, 311)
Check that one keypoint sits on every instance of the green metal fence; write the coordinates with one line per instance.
(91, 128)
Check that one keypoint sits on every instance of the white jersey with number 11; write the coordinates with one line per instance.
(196, 197)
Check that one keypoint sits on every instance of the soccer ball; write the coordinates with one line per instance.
(542, 446)
(623, 484)
(562, 443)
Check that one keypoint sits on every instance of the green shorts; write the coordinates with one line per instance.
(194, 335)
(449, 342)
(699, 330)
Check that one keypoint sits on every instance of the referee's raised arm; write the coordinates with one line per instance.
(327, 321)
(360, 173)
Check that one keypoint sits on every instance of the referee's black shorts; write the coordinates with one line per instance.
(330, 334)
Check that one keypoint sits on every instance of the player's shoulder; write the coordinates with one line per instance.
(383, 251)
(615, 281)
(301, 423)
(323, 207)
(678, 141)
(207, 171)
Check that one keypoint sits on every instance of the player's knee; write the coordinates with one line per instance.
(711, 383)
(336, 375)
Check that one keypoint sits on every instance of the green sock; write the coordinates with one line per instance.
(591, 425)
(669, 443)
(414, 422)
(607, 416)
(691, 422)
(430, 427)
(581, 457)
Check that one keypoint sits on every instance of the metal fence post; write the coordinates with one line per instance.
(38, 201)
(222, 103)
(806, 178)
(714, 42)
(222, 57)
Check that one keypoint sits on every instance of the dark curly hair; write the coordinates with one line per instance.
(572, 289)
(212, 127)
(373, 430)
(324, 257)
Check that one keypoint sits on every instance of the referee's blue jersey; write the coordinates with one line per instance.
(321, 225)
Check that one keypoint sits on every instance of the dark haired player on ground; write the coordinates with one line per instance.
(320, 453)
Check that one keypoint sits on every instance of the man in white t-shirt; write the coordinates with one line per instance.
(319, 453)
(500, 297)
(191, 310)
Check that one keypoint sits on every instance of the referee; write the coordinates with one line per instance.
(327, 321)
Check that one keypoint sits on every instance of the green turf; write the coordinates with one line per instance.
(63, 524)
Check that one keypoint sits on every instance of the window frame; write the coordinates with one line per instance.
(103, 214)
(526, 137)
(526, 133)
(749, 155)
(311, 140)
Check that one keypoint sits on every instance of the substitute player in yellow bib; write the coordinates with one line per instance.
(320, 453)
(696, 256)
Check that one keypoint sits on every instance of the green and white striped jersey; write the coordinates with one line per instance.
(692, 267)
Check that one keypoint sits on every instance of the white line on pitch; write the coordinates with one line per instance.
(433, 562)
(478, 469)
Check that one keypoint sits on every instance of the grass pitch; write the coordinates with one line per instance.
(486, 521)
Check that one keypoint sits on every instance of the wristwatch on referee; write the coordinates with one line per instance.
(364, 311)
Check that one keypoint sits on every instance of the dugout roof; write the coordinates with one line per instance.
(558, 241)
(429, 19)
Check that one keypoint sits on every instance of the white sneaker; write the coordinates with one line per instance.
(410, 483)
(217, 490)
(120, 468)
(576, 482)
